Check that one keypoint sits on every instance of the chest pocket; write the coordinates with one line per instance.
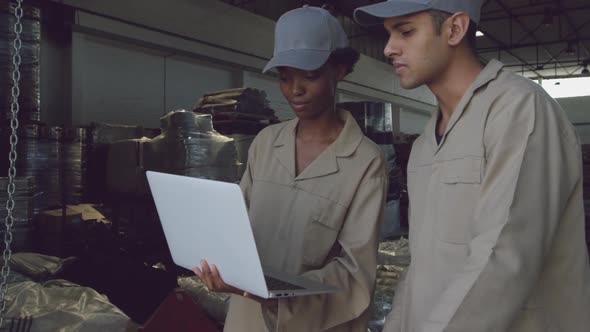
(321, 234)
(463, 170)
(456, 198)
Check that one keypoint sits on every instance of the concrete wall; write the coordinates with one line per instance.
(578, 111)
(56, 59)
(126, 50)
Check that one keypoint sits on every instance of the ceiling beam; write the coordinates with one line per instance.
(487, 15)
(579, 28)
(555, 77)
(530, 5)
(529, 32)
(548, 62)
(528, 45)
(572, 26)
(507, 50)
(571, 63)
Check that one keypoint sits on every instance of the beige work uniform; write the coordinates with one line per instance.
(323, 224)
(497, 218)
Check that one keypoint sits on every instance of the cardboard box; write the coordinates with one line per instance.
(87, 211)
(53, 221)
(55, 233)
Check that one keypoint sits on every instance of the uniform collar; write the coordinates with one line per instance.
(488, 73)
(326, 163)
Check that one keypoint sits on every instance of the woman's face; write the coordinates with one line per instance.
(311, 93)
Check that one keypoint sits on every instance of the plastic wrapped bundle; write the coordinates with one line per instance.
(29, 85)
(59, 305)
(245, 100)
(394, 252)
(39, 267)
(53, 164)
(100, 138)
(393, 261)
(106, 133)
(189, 146)
(57, 168)
(22, 214)
(30, 32)
(237, 111)
(125, 173)
(243, 143)
(24, 189)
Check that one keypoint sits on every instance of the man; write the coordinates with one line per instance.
(495, 185)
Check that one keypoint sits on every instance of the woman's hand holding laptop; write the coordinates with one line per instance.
(209, 275)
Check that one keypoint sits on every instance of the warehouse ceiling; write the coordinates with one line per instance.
(536, 38)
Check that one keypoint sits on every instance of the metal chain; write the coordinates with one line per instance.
(14, 107)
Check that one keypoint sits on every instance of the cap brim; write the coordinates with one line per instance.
(300, 59)
(375, 14)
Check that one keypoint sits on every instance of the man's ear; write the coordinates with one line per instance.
(458, 25)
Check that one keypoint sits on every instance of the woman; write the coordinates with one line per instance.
(315, 188)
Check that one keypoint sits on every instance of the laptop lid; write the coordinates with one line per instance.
(205, 219)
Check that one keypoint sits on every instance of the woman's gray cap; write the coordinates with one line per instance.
(305, 37)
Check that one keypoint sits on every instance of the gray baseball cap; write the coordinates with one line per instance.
(376, 13)
(305, 37)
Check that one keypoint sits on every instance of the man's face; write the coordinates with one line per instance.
(418, 54)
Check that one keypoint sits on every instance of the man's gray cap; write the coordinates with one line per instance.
(305, 37)
(376, 13)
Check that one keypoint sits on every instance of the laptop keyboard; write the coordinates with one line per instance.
(276, 284)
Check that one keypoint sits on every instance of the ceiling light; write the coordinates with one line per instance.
(479, 34)
(570, 49)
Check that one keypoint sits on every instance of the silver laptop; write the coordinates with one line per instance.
(205, 219)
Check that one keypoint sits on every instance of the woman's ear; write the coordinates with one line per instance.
(458, 25)
(341, 72)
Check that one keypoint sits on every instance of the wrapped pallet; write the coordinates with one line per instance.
(30, 62)
(243, 143)
(189, 146)
(22, 214)
(393, 261)
(125, 171)
(101, 136)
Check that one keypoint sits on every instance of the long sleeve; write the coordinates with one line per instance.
(532, 168)
(246, 182)
(353, 270)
